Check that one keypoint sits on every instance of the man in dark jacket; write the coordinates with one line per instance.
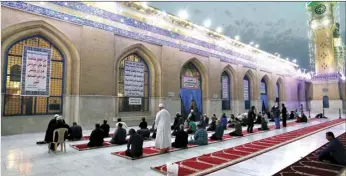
(105, 128)
(284, 115)
(48, 137)
(143, 131)
(181, 138)
(176, 125)
(75, 132)
(218, 132)
(119, 136)
(334, 152)
(250, 119)
(135, 145)
(96, 137)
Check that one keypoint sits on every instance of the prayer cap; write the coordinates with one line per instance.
(56, 116)
(59, 118)
(161, 105)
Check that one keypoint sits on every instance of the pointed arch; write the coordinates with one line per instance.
(17, 32)
(250, 77)
(202, 70)
(233, 80)
(281, 88)
(268, 94)
(150, 59)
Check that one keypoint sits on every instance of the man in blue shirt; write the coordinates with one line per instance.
(200, 137)
(334, 152)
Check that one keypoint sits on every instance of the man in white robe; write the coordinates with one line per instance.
(163, 126)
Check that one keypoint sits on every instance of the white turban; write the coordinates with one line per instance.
(161, 105)
(59, 118)
(56, 116)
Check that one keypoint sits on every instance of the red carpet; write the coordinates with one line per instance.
(225, 137)
(82, 147)
(309, 165)
(215, 161)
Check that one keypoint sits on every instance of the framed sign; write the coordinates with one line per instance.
(134, 79)
(35, 76)
(190, 82)
(135, 101)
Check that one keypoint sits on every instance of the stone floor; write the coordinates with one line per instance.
(22, 157)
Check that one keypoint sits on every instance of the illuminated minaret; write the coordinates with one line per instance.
(328, 58)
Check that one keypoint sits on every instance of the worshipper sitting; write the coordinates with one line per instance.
(176, 125)
(264, 124)
(302, 119)
(335, 151)
(212, 126)
(96, 137)
(181, 138)
(200, 137)
(224, 121)
(59, 124)
(218, 132)
(47, 136)
(75, 132)
(143, 131)
(243, 119)
(231, 121)
(238, 129)
(192, 115)
(202, 122)
(192, 127)
(163, 124)
(135, 145)
(120, 121)
(214, 117)
(105, 128)
(259, 118)
(119, 136)
(320, 115)
(292, 115)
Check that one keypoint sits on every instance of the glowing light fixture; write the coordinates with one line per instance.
(294, 60)
(207, 23)
(183, 14)
(257, 45)
(144, 4)
(219, 29)
(287, 58)
(251, 43)
(237, 37)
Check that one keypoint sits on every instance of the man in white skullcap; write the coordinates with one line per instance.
(163, 127)
(51, 123)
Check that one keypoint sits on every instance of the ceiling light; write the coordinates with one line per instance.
(207, 23)
(237, 37)
(183, 14)
(219, 29)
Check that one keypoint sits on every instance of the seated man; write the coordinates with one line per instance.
(218, 132)
(59, 124)
(212, 126)
(119, 136)
(223, 121)
(47, 136)
(264, 124)
(144, 131)
(192, 127)
(96, 137)
(335, 151)
(124, 124)
(105, 128)
(135, 145)
(302, 119)
(75, 132)
(238, 130)
(181, 138)
(259, 118)
(292, 115)
(175, 125)
(200, 137)
(202, 122)
(231, 121)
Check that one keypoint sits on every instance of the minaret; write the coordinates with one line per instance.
(326, 81)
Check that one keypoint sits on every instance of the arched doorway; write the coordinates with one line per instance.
(264, 95)
(191, 90)
(225, 91)
(299, 92)
(34, 78)
(133, 84)
(247, 92)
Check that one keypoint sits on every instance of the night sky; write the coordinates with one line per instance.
(276, 26)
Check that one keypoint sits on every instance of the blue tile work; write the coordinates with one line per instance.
(137, 36)
(144, 26)
(326, 76)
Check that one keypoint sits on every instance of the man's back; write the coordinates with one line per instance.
(119, 136)
(105, 128)
(96, 137)
(181, 138)
(136, 142)
(76, 131)
(201, 136)
(337, 150)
